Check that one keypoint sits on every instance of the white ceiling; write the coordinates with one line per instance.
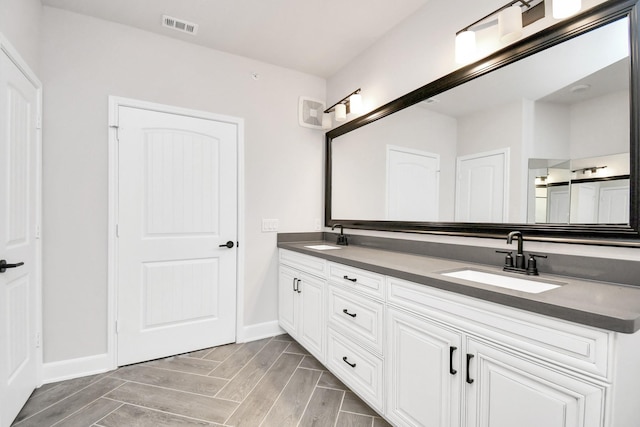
(313, 36)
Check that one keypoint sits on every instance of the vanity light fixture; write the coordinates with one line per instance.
(510, 19)
(590, 170)
(351, 103)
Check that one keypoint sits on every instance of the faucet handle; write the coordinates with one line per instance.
(508, 259)
(532, 268)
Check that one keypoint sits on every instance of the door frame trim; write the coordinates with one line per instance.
(16, 58)
(115, 102)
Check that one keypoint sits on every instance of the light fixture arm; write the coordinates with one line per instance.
(345, 100)
(495, 12)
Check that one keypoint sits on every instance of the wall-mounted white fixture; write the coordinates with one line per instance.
(351, 103)
(510, 20)
(565, 8)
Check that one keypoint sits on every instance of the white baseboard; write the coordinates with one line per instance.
(259, 331)
(75, 368)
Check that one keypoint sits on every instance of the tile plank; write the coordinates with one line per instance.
(133, 416)
(352, 403)
(296, 348)
(288, 409)
(256, 406)
(346, 419)
(49, 394)
(311, 362)
(176, 402)
(71, 404)
(182, 381)
(242, 384)
(328, 380)
(222, 353)
(90, 414)
(323, 408)
(232, 365)
(381, 422)
(184, 364)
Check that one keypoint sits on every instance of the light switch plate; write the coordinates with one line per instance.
(269, 225)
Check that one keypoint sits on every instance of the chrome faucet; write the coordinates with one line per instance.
(342, 238)
(531, 268)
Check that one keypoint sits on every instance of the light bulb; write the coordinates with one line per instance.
(341, 112)
(465, 47)
(510, 24)
(355, 103)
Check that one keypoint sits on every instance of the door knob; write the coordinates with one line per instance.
(4, 265)
(229, 244)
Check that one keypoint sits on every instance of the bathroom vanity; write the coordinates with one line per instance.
(425, 348)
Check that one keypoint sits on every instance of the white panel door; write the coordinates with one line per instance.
(177, 209)
(559, 202)
(18, 203)
(584, 203)
(481, 187)
(614, 204)
(412, 184)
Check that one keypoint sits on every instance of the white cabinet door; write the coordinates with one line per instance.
(301, 309)
(423, 372)
(287, 298)
(311, 324)
(504, 390)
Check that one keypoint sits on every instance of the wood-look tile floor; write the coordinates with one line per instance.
(270, 382)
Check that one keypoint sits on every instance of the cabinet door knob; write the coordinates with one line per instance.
(353, 365)
(451, 370)
(349, 314)
(469, 379)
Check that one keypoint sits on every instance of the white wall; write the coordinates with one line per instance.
(84, 60)
(20, 22)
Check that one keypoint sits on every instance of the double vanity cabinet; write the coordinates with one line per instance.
(423, 356)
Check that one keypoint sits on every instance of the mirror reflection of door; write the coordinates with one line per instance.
(482, 186)
(412, 184)
(558, 205)
(614, 204)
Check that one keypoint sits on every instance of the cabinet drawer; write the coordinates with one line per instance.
(357, 368)
(354, 278)
(574, 346)
(356, 316)
(306, 263)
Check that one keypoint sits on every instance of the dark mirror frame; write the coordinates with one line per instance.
(609, 235)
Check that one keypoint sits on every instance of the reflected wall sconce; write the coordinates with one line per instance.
(589, 170)
(510, 19)
(351, 103)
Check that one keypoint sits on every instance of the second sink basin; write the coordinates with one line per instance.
(515, 283)
(322, 247)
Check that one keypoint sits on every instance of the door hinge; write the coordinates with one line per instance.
(117, 129)
(38, 340)
(37, 234)
(38, 122)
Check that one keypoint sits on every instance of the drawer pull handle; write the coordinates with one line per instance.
(469, 379)
(295, 284)
(298, 286)
(350, 279)
(451, 370)
(349, 314)
(353, 365)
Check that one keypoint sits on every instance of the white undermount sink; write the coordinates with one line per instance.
(323, 247)
(515, 283)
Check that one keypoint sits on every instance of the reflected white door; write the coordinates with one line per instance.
(481, 187)
(614, 205)
(177, 210)
(18, 204)
(412, 184)
(559, 202)
(584, 203)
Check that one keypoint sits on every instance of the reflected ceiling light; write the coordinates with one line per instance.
(510, 19)
(351, 103)
(565, 8)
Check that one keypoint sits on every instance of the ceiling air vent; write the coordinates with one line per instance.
(179, 25)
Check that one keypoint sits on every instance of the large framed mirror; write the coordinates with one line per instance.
(541, 136)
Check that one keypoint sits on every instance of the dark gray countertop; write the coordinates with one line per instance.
(603, 305)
